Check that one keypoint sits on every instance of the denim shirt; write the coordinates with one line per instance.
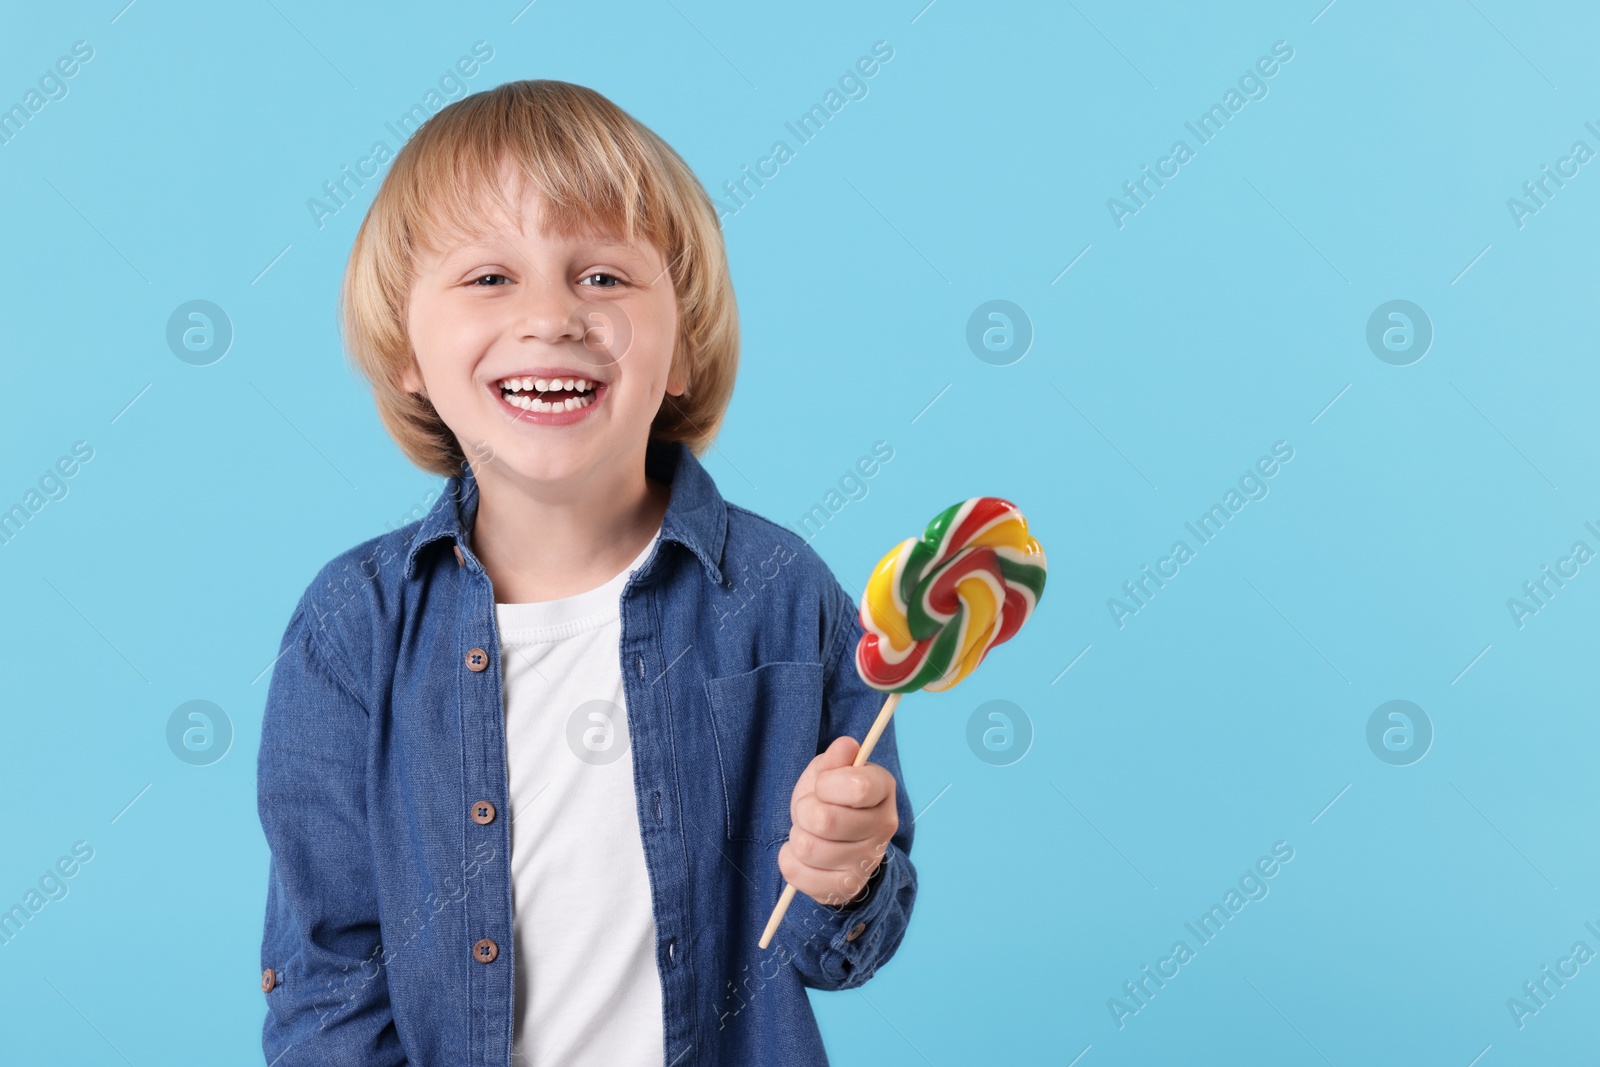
(383, 784)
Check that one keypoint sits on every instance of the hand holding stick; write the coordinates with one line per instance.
(861, 758)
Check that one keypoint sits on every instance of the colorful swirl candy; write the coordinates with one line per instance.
(935, 606)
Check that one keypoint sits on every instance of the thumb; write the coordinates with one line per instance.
(841, 753)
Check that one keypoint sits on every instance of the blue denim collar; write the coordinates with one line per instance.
(697, 516)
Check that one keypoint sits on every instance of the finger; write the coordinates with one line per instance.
(857, 787)
(820, 854)
(839, 822)
(832, 887)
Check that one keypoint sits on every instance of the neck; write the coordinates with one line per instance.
(540, 542)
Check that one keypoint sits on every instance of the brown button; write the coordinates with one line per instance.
(460, 562)
(485, 951)
(483, 813)
(268, 980)
(855, 931)
(477, 659)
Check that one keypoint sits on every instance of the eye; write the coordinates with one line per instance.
(602, 274)
(481, 277)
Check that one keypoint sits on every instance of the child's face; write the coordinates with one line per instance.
(519, 304)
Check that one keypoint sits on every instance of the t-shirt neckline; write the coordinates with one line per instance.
(551, 620)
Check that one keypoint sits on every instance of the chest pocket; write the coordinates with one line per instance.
(766, 723)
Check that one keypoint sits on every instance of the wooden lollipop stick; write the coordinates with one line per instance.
(861, 757)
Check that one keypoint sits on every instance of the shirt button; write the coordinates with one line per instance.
(460, 561)
(477, 659)
(268, 980)
(485, 951)
(483, 813)
(855, 931)
(672, 950)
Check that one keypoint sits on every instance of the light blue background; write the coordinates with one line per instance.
(1223, 317)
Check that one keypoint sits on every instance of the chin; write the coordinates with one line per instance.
(548, 463)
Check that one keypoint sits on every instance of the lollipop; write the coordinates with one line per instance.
(935, 606)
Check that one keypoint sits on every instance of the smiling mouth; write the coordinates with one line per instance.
(548, 394)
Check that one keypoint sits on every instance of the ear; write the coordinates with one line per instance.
(675, 384)
(411, 379)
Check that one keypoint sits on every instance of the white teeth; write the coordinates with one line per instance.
(547, 384)
(519, 393)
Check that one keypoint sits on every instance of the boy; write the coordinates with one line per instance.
(534, 768)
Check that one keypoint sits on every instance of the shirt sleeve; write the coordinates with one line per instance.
(328, 1000)
(841, 947)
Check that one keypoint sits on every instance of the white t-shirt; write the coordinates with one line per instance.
(587, 988)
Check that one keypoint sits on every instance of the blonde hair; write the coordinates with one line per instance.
(600, 170)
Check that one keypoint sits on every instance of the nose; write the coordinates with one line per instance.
(545, 312)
